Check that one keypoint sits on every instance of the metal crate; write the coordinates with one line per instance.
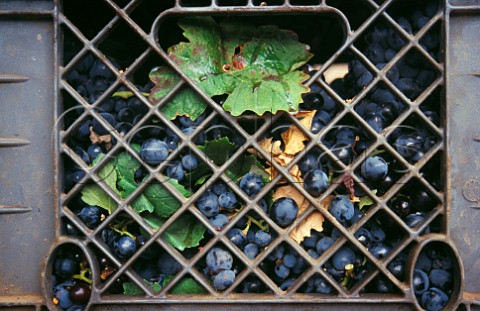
(36, 130)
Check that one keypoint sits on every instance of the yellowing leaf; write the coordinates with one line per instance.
(294, 172)
(272, 148)
(294, 138)
(313, 221)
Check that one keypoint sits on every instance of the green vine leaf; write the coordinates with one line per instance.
(256, 66)
(184, 233)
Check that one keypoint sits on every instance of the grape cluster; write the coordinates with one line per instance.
(411, 75)
(220, 268)
(71, 279)
(91, 78)
(412, 204)
(432, 279)
(413, 142)
(346, 265)
(284, 266)
(251, 234)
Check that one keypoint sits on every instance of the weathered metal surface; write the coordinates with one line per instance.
(29, 45)
(463, 95)
(26, 183)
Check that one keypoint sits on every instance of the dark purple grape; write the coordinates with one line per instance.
(284, 211)
(80, 293)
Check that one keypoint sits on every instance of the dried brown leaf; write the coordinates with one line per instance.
(294, 172)
(293, 138)
(313, 221)
(99, 139)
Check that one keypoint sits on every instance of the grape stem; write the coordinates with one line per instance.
(260, 223)
(348, 275)
(83, 276)
(124, 231)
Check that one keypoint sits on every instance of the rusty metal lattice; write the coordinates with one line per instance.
(150, 36)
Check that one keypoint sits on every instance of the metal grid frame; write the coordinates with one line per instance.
(226, 297)
(252, 141)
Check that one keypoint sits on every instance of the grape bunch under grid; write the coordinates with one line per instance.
(315, 140)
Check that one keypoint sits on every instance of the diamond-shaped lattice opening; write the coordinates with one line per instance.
(156, 267)
(71, 274)
(156, 204)
(186, 233)
(320, 240)
(398, 265)
(431, 42)
(415, 74)
(188, 170)
(91, 205)
(147, 11)
(347, 209)
(139, 75)
(186, 285)
(122, 172)
(379, 170)
(284, 266)
(252, 285)
(90, 77)
(125, 286)
(381, 285)
(155, 143)
(381, 41)
(220, 204)
(380, 235)
(249, 171)
(71, 45)
(346, 140)
(121, 38)
(356, 11)
(218, 129)
(88, 26)
(283, 140)
(107, 269)
(220, 266)
(72, 173)
(120, 236)
(347, 266)
(413, 198)
(251, 124)
(313, 169)
(324, 105)
(89, 139)
(348, 84)
(318, 285)
(251, 234)
(413, 139)
(432, 171)
(381, 107)
(414, 15)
